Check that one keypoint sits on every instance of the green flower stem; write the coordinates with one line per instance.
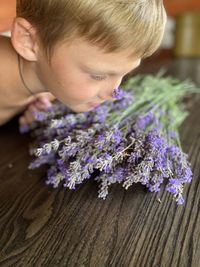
(155, 103)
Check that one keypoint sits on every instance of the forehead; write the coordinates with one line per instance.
(83, 53)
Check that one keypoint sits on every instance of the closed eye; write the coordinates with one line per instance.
(98, 77)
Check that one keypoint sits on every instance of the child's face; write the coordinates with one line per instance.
(82, 76)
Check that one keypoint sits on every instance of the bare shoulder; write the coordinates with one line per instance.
(7, 72)
(4, 40)
(6, 49)
(8, 58)
(4, 43)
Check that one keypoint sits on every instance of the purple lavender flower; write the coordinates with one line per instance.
(24, 128)
(117, 93)
(139, 148)
(146, 120)
(40, 116)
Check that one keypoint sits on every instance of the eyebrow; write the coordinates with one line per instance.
(111, 73)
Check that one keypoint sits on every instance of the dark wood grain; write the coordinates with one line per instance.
(41, 226)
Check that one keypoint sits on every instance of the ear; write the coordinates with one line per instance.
(24, 39)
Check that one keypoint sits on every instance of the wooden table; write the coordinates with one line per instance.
(41, 226)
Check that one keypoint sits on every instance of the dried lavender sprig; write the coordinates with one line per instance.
(113, 159)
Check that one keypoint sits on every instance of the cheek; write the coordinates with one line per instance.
(67, 82)
(74, 85)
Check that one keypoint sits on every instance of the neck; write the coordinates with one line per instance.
(29, 80)
(21, 75)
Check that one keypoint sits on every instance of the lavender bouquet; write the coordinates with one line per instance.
(131, 140)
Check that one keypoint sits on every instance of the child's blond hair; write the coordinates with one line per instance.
(134, 25)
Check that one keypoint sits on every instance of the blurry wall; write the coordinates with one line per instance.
(7, 13)
(182, 33)
(177, 7)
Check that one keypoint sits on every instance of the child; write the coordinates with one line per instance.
(74, 50)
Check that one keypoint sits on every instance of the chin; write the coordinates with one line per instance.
(80, 109)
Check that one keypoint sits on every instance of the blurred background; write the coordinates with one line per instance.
(7, 12)
(182, 34)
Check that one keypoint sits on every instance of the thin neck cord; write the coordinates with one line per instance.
(21, 76)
